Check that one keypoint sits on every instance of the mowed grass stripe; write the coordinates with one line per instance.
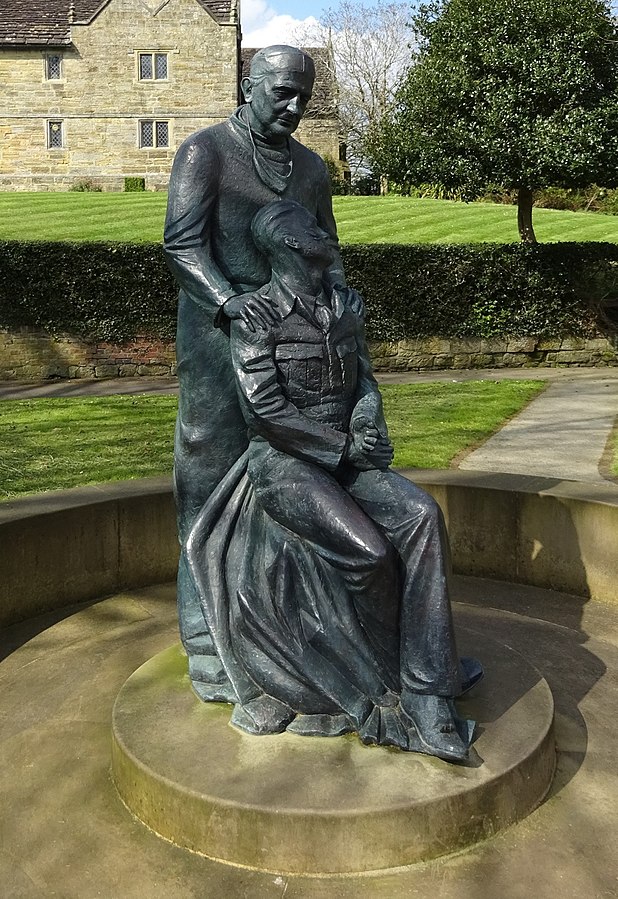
(139, 217)
(57, 443)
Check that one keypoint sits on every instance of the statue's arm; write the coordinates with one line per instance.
(193, 187)
(334, 274)
(267, 412)
(368, 397)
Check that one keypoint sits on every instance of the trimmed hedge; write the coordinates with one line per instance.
(116, 291)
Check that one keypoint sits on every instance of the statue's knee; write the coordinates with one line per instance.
(378, 551)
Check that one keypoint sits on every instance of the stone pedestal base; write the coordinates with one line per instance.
(292, 804)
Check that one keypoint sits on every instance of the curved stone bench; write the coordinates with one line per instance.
(64, 547)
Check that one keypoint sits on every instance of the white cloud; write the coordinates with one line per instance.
(262, 25)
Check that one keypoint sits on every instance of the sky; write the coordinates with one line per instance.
(267, 22)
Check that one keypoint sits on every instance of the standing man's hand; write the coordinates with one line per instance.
(351, 299)
(367, 447)
(255, 309)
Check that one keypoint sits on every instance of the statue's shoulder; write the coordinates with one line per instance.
(307, 157)
(205, 149)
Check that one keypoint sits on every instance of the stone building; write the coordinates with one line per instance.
(101, 90)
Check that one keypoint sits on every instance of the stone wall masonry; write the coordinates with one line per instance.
(101, 100)
(436, 353)
(30, 355)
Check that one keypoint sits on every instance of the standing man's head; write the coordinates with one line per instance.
(277, 90)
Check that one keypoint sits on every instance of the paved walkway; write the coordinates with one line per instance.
(563, 433)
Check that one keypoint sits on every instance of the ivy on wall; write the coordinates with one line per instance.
(118, 291)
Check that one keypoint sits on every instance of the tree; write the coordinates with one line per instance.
(520, 94)
(369, 51)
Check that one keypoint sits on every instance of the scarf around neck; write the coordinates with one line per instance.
(273, 165)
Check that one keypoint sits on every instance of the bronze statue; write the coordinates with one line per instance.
(313, 585)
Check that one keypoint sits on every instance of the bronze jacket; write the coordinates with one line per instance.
(301, 382)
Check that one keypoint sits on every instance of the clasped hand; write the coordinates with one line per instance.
(367, 447)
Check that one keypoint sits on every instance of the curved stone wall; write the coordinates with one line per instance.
(63, 547)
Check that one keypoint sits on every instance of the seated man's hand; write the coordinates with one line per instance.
(255, 309)
(367, 448)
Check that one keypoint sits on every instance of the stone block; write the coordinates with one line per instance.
(153, 370)
(598, 343)
(416, 362)
(577, 357)
(515, 360)
(461, 360)
(381, 349)
(482, 360)
(435, 346)
(443, 361)
(493, 345)
(106, 371)
(460, 345)
(127, 370)
(521, 344)
(81, 371)
(573, 343)
(549, 343)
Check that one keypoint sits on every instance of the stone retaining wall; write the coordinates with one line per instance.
(497, 352)
(29, 355)
(67, 546)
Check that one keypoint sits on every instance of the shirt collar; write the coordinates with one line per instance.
(287, 301)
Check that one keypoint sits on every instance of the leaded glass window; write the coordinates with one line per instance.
(154, 134)
(162, 134)
(53, 67)
(55, 138)
(153, 66)
(146, 134)
(161, 66)
(145, 66)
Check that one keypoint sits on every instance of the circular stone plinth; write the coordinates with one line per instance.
(293, 804)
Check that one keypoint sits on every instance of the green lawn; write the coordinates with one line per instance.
(51, 444)
(138, 217)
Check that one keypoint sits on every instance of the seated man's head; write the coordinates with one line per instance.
(277, 90)
(285, 232)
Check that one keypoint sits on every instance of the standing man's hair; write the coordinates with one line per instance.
(280, 58)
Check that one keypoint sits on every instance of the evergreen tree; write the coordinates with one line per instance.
(520, 94)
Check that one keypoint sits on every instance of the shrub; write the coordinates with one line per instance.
(117, 291)
(86, 186)
(134, 185)
(339, 185)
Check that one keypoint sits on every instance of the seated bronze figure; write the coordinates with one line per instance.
(323, 575)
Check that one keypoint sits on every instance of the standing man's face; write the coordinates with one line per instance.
(277, 102)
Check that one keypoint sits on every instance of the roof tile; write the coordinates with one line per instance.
(46, 22)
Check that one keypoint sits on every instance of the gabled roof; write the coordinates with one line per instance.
(323, 103)
(39, 23)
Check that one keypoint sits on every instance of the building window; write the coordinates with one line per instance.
(154, 134)
(55, 135)
(152, 66)
(53, 68)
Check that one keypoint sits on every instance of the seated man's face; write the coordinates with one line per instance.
(278, 102)
(309, 239)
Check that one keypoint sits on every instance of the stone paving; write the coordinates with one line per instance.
(64, 831)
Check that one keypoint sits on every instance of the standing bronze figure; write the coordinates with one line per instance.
(313, 583)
